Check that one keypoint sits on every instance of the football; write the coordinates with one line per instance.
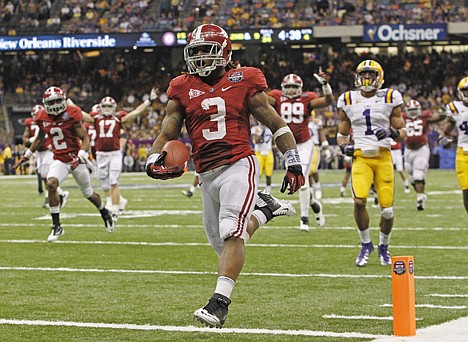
(177, 154)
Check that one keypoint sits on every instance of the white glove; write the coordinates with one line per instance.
(83, 155)
(327, 155)
(153, 94)
(321, 78)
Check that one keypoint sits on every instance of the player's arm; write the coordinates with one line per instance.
(271, 100)
(81, 133)
(448, 126)
(326, 100)
(437, 116)
(27, 139)
(33, 148)
(142, 107)
(397, 129)
(284, 139)
(343, 139)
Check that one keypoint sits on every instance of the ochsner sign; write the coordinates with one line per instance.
(398, 33)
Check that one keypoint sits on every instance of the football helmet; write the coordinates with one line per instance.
(36, 109)
(54, 100)
(107, 106)
(208, 47)
(413, 109)
(463, 90)
(291, 86)
(369, 76)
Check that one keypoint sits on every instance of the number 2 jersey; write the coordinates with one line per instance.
(458, 111)
(369, 113)
(217, 117)
(59, 128)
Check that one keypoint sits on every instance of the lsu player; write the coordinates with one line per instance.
(263, 139)
(70, 144)
(457, 116)
(374, 115)
(44, 155)
(320, 145)
(417, 151)
(295, 107)
(108, 124)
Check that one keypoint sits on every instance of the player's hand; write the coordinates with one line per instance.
(444, 141)
(20, 162)
(382, 133)
(155, 168)
(154, 94)
(294, 178)
(321, 77)
(327, 154)
(347, 149)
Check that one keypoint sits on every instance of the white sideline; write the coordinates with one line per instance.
(191, 329)
(452, 331)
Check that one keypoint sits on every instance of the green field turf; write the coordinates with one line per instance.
(157, 267)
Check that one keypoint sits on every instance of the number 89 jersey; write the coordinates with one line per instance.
(369, 113)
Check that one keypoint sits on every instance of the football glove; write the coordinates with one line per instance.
(153, 95)
(444, 141)
(321, 77)
(23, 160)
(294, 178)
(382, 133)
(155, 168)
(327, 155)
(347, 149)
(78, 159)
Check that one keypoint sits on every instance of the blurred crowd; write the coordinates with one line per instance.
(86, 16)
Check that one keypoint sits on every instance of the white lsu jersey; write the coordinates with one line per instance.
(459, 112)
(314, 126)
(368, 114)
(265, 144)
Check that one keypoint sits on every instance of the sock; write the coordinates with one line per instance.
(224, 286)
(115, 209)
(420, 196)
(101, 207)
(261, 216)
(384, 239)
(365, 235)
(406, 183)
(108, 200)
(317, 186)
(192, 189)
(268, 189)
(342, 189)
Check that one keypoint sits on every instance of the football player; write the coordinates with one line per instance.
(397, 158)
(374, 115)
(263, 139)
(295, 107)
(70, 143)
(457, 116)
(215, 100)
(417, 151)
(108, 125)
(44, 155)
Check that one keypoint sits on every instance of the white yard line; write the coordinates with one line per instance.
(376, 318)
(445, 295)
(190, 329)
(431, 306)
(256, 274)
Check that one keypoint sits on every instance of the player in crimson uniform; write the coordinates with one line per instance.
(70, 143)
(417, 151)
(108, 125)
(215, 99)
(295, 107)
(44, 155)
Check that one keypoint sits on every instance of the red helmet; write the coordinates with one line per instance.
(107, 106)
(413, 109)
(215, 47)
(292, 86)
(36, 109)
(54, 100)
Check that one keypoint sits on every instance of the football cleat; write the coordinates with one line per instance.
(318, 194)
(343, 192)
(384, 255)
(46, 203)
(214, 313)
(122, 205)
(108, 220)
(63, 198)
(187, 193)
(55, 232)
(304, 225)
(319, 218)
(363, 257)
(421, 202)
(273, 207)
(407, 190)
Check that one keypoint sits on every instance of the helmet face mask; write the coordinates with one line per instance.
(369, 76)
(208, 48)
(291, 86)
(54, 101)
(462, 90)
(413, 109)
(36, 109)
(107, 106)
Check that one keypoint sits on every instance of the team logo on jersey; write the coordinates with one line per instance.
(236, 76)
(195, 93)
(46, 124)
(65, 116)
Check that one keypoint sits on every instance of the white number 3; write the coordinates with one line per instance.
(219, 117)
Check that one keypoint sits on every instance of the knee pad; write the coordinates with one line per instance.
(419, 182)
(387, 213)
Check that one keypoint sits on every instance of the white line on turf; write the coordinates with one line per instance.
(191, 329)
(447, 295)
(256, 274)
(377, 318)
(431, 306)
(143, 243)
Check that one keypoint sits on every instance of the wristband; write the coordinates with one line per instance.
(281, 131)
(83, 154)
(292, 157)
(327, 90)
(339, 135)
(148, 102)
(28, 153)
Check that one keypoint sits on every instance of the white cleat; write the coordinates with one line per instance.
(275, 206)
(63, 198)
(122, 205)
(319, 218)
(304, 227)
(55, 232)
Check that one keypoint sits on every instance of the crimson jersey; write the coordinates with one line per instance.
(417, 130)
(217, 117)
(60, 129)
(295, 112)
(108, 130)
(33, 130)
